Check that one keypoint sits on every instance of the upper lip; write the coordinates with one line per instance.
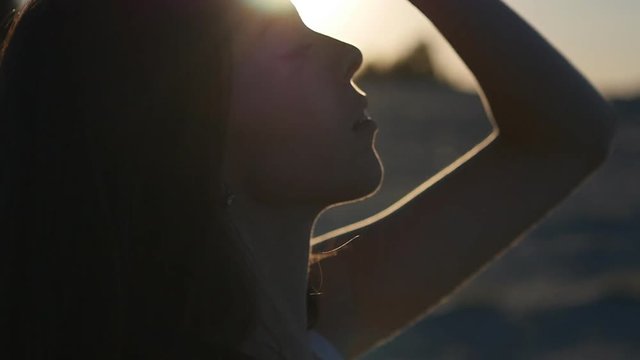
(365, 117)
(365, 102)
(364, 113)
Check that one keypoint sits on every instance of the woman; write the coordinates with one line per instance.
(163, 168)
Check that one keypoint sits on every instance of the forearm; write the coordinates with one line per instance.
(537, 99)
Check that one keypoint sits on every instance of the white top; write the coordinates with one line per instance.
(322, 348)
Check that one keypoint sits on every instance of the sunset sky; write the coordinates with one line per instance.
(600, 37)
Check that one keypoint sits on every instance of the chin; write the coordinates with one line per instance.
(355, 181)
(373, 180)
(366, 181)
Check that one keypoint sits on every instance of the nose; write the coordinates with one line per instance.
(353, 60)
(346, 57)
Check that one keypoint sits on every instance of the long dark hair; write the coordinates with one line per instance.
(112, 238)
(6, 8)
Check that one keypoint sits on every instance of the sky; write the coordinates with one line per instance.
(600, 37)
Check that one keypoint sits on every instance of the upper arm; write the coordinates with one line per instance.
(406, 262)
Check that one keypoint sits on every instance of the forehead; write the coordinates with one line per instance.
(272, 7)
(252, 20)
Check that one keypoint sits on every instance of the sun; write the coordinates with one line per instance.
(322, 15)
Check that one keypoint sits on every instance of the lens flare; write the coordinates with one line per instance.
(331, 17)
(270, 6)
(318, 14)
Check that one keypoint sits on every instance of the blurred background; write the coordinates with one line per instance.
(571, 288)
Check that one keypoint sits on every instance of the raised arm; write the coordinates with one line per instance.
(552, 130)
(538, 100)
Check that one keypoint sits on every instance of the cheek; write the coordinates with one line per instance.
(322, 166)
(292, 141)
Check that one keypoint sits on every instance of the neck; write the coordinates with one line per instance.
(278, 238)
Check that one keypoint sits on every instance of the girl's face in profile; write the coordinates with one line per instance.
(295, 131)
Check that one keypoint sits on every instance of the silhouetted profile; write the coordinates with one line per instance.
(163, 163)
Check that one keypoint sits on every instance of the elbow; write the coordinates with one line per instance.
(604, 131)
(598, 155)
(594, 151)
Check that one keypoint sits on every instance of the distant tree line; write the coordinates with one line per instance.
(418, 63)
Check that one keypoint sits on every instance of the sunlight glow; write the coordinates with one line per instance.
(601, 41)
(270, 6)
(599, 37)
(323, 15)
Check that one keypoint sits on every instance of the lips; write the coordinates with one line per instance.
(364, 121)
